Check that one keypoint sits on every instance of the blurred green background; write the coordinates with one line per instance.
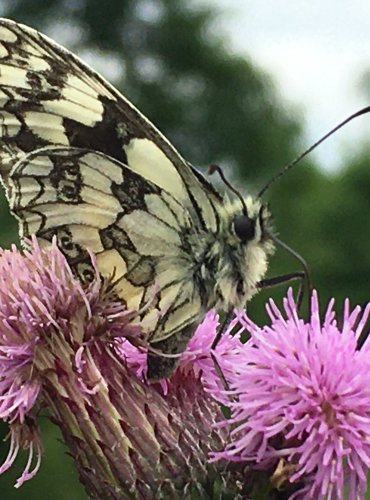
(216, 107)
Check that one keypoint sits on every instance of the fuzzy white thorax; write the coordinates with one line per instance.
(233, 269)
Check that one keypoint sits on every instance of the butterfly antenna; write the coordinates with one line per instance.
(290, 165)
(216, 168)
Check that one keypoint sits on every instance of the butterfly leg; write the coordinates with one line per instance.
(303, 276)
(266, 283)
(285, 278)
(221, 330)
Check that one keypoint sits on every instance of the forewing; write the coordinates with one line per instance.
(49, 97)
(138, 232)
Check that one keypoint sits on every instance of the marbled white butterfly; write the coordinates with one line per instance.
(81, 162)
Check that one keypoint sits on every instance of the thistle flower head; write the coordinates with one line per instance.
(196, 361)
(39, 301)
(298, 391)
(63, 346)
(302, 401)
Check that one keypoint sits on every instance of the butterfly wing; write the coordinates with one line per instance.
(49, 96)
(137, 230)
(87, 166)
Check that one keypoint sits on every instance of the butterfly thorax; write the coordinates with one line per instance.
(234, 260)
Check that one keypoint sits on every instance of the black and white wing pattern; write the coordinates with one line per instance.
(50, 97)
(80, 162)
(137, 230)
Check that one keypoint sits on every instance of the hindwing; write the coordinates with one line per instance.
(138, 232)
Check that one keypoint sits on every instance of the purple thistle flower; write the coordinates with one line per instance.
(299, 398)
(302, 401)
(196, 360)
(63, 346)
(25, 435)
(39, 298)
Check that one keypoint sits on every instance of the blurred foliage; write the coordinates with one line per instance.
(170, 59)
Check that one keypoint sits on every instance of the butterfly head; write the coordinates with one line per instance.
(244, 247)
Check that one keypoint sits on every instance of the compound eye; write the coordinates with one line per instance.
(244, 228)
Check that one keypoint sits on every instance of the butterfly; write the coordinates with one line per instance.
(81, 163)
